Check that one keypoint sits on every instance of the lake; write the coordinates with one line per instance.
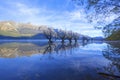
(38, 60)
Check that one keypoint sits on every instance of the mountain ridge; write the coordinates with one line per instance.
(14, 29)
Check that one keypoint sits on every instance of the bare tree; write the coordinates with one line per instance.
(76, 36)
(70, 36)
(62, 35)
(49, 34)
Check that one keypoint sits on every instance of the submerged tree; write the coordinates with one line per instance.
(50, 34)
(70, 36)
(76, 36)
(62, 35)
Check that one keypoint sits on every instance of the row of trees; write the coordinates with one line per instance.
(63, 35)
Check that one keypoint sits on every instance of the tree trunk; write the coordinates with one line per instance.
(70, 40)
(50, 40)
(62, 41)
(75, 40)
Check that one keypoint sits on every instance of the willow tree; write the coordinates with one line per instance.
(112, 28)
(50, 34)
(70, 36)
(76, 36)
(100, 12)
(62, 34)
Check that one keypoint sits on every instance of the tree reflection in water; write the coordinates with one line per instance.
(63, 49)
(67, 60)
(18, 49)
(112, 53)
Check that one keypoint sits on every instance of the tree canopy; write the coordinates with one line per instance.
(104, 14)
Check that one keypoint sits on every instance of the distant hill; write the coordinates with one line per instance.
(115, 36)
(13, 29)
(10, 30)
(114, 30)
(37, 36)
(98, 38)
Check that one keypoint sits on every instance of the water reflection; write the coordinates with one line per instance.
(42, 61)
(112, 53)
(11, 50)
(17, 49)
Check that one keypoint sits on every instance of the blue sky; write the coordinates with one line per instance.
(61, 14)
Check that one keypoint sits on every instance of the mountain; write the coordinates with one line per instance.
(98, 38)
(114, 36)
(13, 29)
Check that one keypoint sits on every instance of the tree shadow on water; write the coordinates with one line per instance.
(112, 70)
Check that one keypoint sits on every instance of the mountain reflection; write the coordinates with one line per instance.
(112, 53)
(18, 49)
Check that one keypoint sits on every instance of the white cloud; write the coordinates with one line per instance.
(26, 10)
(78, 15)
(70, 20)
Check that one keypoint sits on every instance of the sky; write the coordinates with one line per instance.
(61, 14)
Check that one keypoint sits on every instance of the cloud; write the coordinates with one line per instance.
(66, 18)
(26, 10)
(78, 15)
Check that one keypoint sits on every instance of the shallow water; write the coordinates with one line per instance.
(38, 60)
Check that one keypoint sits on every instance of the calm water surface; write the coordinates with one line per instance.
(38, 60)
